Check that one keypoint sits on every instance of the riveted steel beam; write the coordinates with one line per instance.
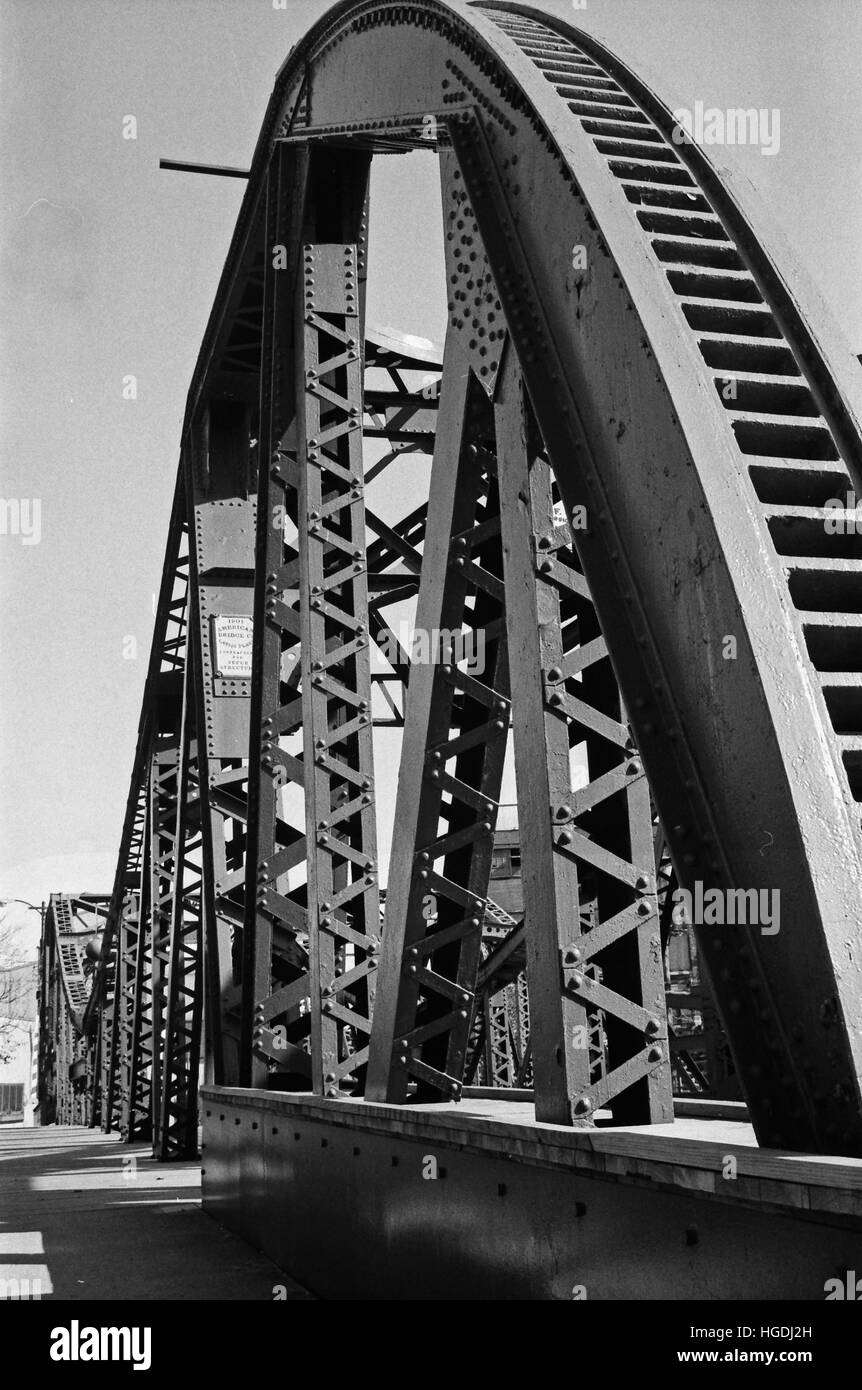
(176, 1132)
(340, 818)
(591, 842)
(310, 948)
(451, 766)
(221, 489)
(164, 825)
(274, 951)
(137, 1022)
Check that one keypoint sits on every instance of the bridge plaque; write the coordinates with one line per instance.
(233, 639)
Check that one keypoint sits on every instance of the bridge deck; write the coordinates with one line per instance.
(90, 1219)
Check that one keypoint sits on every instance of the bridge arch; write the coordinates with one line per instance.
(628, 344)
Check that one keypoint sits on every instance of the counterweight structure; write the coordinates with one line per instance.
(638, 418)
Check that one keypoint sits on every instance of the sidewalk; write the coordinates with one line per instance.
(91, 1218)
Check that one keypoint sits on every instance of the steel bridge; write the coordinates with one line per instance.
(636, 422)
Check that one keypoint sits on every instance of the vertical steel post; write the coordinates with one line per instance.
(597, 1011)
(183, 1005)
(221, 508)
(275, 961)
(343, 892)
(164, 822)
(312, 664)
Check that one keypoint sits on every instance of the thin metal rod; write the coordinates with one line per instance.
(220, 170)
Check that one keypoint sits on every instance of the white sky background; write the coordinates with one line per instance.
(109, 267)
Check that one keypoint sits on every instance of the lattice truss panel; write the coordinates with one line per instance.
(454, 750)
(604, 1036)
(317, 606)
(140, 1028)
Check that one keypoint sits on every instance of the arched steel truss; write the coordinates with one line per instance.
(641, 415)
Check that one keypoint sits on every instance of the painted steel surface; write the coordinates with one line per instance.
(641, 415)
(357, 1208)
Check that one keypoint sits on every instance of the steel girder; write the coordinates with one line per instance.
(451, 766)
(176, 1118)
(587, 845)
(312, 720)
(599, 500)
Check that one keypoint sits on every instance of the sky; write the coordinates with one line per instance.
(108, 269)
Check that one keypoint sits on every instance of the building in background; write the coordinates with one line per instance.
(18, 1042)
(505, 887)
